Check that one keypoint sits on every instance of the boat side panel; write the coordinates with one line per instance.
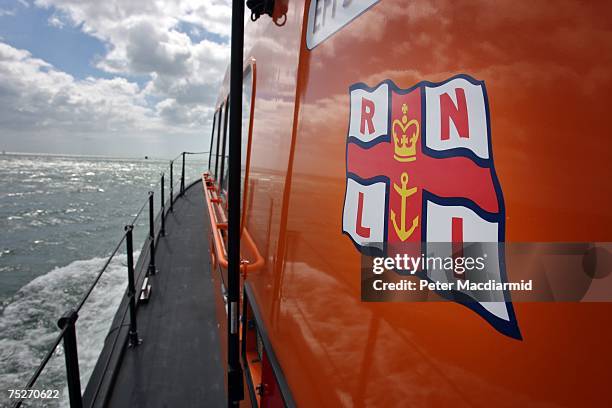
(547, 68)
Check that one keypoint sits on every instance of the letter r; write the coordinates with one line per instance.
(367, 114)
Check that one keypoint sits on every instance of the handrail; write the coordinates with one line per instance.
(189, 153)
(95, 282)
(67, 323)
(218, 224)
(139, 212)
(182, 178)
(66, 327)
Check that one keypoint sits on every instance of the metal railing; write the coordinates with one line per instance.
(182, 179)
(67, 323)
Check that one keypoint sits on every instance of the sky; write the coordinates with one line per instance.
(110, 77)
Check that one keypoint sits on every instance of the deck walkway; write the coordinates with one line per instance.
(179, 362)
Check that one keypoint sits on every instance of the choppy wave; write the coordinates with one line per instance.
(55, 210)
(29, 323)
(83, 203)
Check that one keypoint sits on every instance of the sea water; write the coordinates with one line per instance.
(60, 218)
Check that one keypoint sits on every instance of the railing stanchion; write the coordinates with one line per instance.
(171, 186)
(235, 384)
(183, 176)
(73, 376)
(134, 340)
(151, 235)
(67, 322)
(162, 232)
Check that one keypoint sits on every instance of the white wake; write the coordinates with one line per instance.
(28, 324)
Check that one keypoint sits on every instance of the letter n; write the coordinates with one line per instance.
(457, 113)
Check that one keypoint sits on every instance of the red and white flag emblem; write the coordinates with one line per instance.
(420, 170)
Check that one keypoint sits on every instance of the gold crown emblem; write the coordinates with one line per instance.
(405, 148)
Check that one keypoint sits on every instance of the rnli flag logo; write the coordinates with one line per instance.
(420, 170)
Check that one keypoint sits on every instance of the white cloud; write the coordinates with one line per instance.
(56, 21)
(36, 96)
(179, 47)
(5, 12)
(144, 37)
(44, 109)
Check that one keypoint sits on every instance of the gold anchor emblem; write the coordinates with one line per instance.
(404, 192)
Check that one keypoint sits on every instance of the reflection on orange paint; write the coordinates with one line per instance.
(548, 71)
